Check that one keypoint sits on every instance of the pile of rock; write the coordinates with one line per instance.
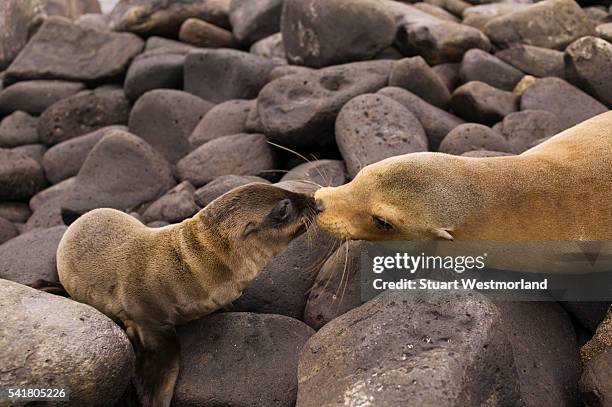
(161, 106)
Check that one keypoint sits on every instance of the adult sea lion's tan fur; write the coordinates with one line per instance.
(558, 190)
(152, 279)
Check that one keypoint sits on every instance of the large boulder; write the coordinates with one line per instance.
(536, 61)
(18, 129)
(300, 110)
(64, 160)
(436, 40)
(253, 20)
(482, 103)
(414, 75)
(165, 118)
(63, 50)
(121, 172)
(157, 69)
(436, 122)
(478, 65)
(31, 256)
(224, 119)
(240, 359)
(240, 154)
(34, 97)
(219, 75)
(83, 113)
(549, 24)
(53, 342)
(283, 284)
(442, 348)
(588, 65)
(320, 33)
(163, 17)
(373, 127)
(472, 136)
(20, 176)
(570, 104)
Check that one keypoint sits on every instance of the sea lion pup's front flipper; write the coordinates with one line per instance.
(157, 362)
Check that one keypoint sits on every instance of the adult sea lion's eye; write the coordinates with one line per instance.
(381, 223)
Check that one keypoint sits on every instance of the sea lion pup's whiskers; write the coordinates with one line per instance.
(328, 182)
(152, 279)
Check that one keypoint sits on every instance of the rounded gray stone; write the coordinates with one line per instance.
(20, 176)
(222, 184)
(224, 119)
(414, 75)
(18, 129)
(34, 97)
(472, 136)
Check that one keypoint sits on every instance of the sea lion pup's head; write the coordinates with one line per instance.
(270, 215)
(408, 197)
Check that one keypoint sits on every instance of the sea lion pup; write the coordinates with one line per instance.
(153, 279)
(558, 190)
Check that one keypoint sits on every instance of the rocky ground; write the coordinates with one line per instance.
(163, 105)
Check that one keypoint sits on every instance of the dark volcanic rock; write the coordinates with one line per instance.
(7, 230)
(225, 119)
(596, 381)
(20, 176)
(414, 75)
(64, 160)
(219, 75)
(83, 113)
(535, 61)
(283, 284)
(478, 102)
(17, 212)
(436, 40)
(449, 74)
(436, 122)
(240, 154)
(545, 352)
(47, 215)
(59, 190)
(63, 50)
(250, 360)
(337, 288)
(175, 206)
(478, 65)
(331, 32)
(271, 47)
(165, 118)
(34, 97)
(206, 35)
(221, 185)
(121, 172)
(328, 173)
(438, 348)
(300, 110)
(163, 17)
(253, 20)
(472, 136)
(555, 95)
(588, 65)
(18, 129)
(523, 129)
(31, 256)
(373, 127)
(66, 342)
(158, 69)
(548, 24)
(34, 151)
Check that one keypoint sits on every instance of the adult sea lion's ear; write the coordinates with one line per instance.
(443, 234)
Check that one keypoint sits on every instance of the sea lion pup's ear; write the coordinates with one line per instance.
(250, 228)
(443, 234)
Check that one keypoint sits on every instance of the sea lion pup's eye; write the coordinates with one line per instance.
(282, 210)
(381, 223)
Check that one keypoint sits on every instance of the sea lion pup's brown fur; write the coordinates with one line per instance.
(558, 190)
(152, 279)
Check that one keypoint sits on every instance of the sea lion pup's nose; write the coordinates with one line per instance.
(319, 205)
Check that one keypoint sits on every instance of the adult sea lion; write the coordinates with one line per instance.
(559, 190)
(153, 279)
